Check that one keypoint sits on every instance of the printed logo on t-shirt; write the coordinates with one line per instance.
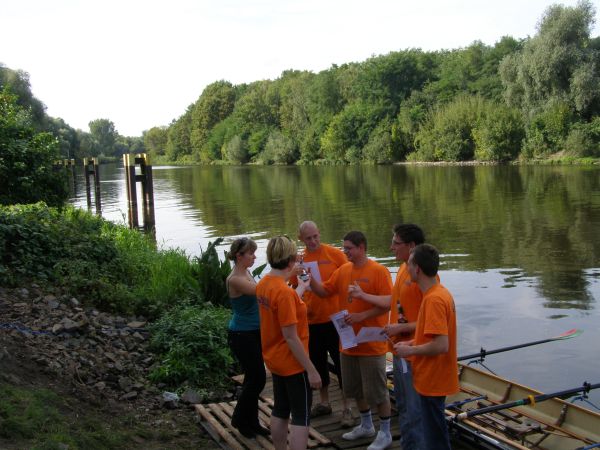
(263, 301)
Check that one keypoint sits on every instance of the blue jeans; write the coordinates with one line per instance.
(408, 403)
(435, 429)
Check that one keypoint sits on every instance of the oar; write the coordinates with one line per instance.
(532, 399)
(465, 401)
(483, 352)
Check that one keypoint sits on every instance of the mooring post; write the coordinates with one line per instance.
(90, 167)
(131, 162)
(132, 211)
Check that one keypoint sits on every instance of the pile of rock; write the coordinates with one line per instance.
(97, 351)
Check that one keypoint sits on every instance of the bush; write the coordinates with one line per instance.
(280, 149)
(27, 158)
(547, 130)
(499, 134)
(447, 134)
(584, 139)
(192, 342)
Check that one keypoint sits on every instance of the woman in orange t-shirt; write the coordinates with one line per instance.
(284, 336)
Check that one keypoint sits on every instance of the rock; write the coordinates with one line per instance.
(136, 324)
(191, 397)
(125, 384)
(129, 396)
(57, 328)
(74, 302)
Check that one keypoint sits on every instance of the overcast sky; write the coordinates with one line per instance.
(140, 63)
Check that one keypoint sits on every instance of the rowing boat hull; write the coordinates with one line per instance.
(550, 425)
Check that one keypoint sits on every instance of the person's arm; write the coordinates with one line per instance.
(364, 315)
(318, 288)
(290, 335)
(439, 344)
(239, 285)
(394, 329)
(381, 301)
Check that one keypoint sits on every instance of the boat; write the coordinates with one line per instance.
(551, 424)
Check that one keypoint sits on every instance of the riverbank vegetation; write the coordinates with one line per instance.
(519, 99)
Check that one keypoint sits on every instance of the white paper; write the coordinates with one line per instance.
(345, 331)
(313, 268)
(371, 334)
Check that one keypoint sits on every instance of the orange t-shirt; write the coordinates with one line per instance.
(409, 295)
(328, 259)
(279, 306)
(436, 375)
(374, 279)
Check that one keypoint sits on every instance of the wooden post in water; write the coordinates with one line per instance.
(130, 162)
(90, 167)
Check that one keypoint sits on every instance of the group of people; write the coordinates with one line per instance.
(284, 321)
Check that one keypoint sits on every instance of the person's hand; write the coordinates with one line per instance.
(392, 329)
(354, 290)
(354, 318)
(303, 285)
(404, 349)
(314, 379)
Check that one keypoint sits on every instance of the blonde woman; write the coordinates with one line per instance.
(244, 337)
(284, 336)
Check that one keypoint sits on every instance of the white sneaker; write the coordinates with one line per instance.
(358, 432)
(381, 442)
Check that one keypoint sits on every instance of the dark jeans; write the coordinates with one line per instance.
(245, 345)
(435, 429)
(323, 339)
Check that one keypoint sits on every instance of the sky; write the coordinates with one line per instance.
(141, 63)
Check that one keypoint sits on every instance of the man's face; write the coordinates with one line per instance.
(352, 252)
(311, 237)
(400, 249)
(413, 269)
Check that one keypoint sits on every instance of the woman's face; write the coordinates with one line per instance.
(246, 259)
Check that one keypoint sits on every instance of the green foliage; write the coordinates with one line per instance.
(379, 149)
(447, 134)
(178, 139)
(236, 150)
(155, 140)
(27, 158)
(584, 139)
(499, 134)
(557, 65)
(547, 130)
(192, 343)
(211, 274)
(280, 149)
(105, 135)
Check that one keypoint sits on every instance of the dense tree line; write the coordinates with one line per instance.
(518, 98)
(526, 98)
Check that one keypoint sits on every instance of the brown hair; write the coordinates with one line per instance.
(240, 245)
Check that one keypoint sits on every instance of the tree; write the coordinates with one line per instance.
(155, 140)
(558, 64)
(105, 135)
(27, 158)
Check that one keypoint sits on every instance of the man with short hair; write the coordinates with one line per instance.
(323, 338)
(364, 287)
(405, 304)
(435, 372)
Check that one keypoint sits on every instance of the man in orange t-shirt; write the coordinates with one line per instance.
(433, 348)
(323, 338)
(364, 288)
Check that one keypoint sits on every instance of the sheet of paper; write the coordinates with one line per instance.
(313, 268)
(371, 334)
(345, 331)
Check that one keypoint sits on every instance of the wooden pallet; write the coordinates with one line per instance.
(216, 420)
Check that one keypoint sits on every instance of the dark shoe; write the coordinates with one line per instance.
(260, 430)
(320, 410)
(247, 432)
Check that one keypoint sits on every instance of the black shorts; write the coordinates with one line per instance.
(292, 395)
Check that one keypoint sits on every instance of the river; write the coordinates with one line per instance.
(520, 245)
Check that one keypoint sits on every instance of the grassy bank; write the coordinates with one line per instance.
(118, 270)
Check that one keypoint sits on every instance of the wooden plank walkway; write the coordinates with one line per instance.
(325, 431)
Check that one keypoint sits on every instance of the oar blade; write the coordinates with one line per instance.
(569, 334)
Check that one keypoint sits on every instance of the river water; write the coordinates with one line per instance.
(520, 245)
